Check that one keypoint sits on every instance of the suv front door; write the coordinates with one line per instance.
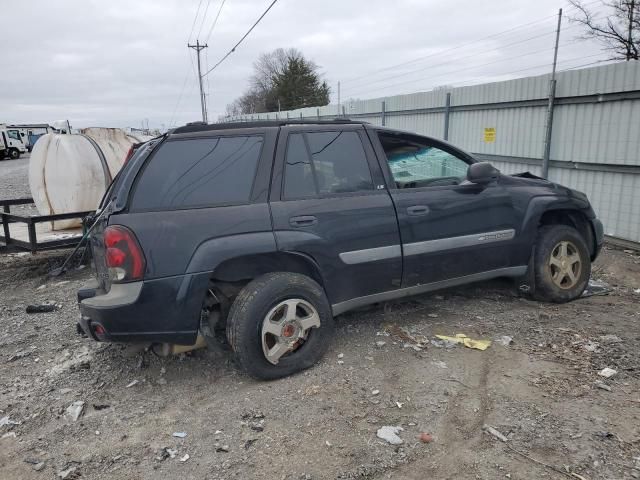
(450, 228)
(329, 203)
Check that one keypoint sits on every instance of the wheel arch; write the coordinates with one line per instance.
(572, 218)
(549, 210)
(232, 262)
(228, 279)
(244, 268)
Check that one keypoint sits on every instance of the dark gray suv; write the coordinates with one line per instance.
(270, 229)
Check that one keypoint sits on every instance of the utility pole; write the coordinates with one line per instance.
(552, 97)
(631, 6)
(338, 98)
(198, 48)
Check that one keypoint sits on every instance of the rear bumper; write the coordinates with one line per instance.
(161, 310)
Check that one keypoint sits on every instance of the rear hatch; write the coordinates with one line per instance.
(113, 202)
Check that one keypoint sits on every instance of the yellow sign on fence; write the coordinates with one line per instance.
(489, 135)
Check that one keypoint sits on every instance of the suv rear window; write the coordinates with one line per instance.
(337, 164)
(199, 173)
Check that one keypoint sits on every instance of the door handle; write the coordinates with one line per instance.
(417, 210)
(303, 221)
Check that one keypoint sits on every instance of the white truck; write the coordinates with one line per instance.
(29, 133)
(10, 143)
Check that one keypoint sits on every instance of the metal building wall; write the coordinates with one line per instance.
(595, 144)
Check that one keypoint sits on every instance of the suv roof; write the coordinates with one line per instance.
(203, 127)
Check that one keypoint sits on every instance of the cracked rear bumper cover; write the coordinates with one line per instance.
(160, 310)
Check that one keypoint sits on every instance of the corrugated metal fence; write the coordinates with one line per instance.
(595, 144)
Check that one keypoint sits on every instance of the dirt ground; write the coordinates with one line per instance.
(541, 392)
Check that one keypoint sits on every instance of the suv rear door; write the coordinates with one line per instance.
(195, 190)
(449, 228)
(329, 203)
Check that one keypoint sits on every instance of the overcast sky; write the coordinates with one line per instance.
(116, 63)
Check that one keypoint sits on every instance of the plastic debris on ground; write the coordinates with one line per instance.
(390, 434)
(596, 287)
(505, 340)
(439, 364)
(44, 308)
(602, 386)
(466, 341)
(607, 372)
(75, 410)
(492, 431)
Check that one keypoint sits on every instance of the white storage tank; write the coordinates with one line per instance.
(70, 173)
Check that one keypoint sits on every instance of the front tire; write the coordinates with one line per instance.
(279, 324)
(562, 264)
(14, 154)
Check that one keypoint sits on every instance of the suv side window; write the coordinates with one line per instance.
(198, 173)
(416, 164)
(299, 180)
(321, 163)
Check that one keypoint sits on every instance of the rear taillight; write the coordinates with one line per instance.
(124, 257)
(130, 152)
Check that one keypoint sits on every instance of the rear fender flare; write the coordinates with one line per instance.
(248, 267)
(241, 258)
(211, 253)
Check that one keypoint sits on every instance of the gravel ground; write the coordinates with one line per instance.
(14, 183)
(13, 178)
(542, 392)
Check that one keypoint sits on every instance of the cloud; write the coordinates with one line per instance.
(116, 63)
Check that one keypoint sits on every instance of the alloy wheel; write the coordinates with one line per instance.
(565, 265)
(286, 327)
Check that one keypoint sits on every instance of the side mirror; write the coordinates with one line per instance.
(482, 173)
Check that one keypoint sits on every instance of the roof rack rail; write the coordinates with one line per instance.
(203, 127)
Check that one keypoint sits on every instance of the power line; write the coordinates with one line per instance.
(483, 79)
(421, 69)
(476, 67)
(434, 66)
(586, 64)
(204, 17)
(215, 21)
(194, 21)
(440, 52)
(455, 60)
(457, 47)
(186, 77)
(208, 95)
(184, 84)
(241, 40)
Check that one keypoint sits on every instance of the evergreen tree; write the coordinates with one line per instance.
(299, 86)
(282, 80)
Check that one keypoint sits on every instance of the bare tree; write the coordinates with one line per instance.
(269, 65)
(619, 33)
